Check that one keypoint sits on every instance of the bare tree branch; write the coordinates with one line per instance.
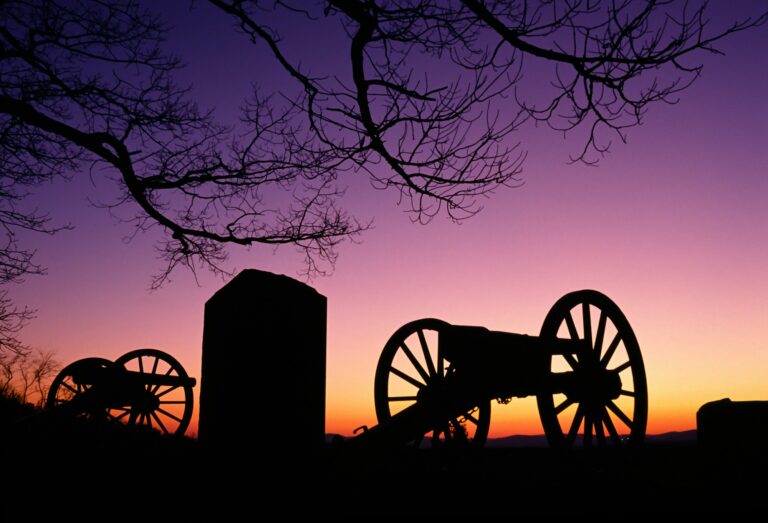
(426, 102)
(12, 320)
(86, 82)
(445, 144)
(611, 59)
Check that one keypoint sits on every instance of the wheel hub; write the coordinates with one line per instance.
(145, 402)
(593, 383)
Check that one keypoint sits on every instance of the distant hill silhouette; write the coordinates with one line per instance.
(686, 437)
(517, 442)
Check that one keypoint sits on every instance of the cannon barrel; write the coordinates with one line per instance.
(89, 373)
(500, 364)
(160, 379)
(464, 344)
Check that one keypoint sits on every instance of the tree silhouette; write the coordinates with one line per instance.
(430, 94)
(26, 375)
(443, 137)
(85, 84)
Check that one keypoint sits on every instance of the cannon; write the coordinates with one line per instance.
(145, 387)
(435, 381)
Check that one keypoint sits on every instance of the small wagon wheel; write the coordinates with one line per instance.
(72, 386)
(166, 403)
(611, 351)
(411, 360)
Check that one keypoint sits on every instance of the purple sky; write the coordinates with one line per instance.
(673, 226)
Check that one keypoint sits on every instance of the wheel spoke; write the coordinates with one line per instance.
(391, 398)
(415, 362)
(427, 355)
(156, 390)
(172, 416)
(141, 364)
(620, 414)
(406, 377)
(157, 419)
(575, 425)
(611, 428)
(571, 360)
(599, 431)
(587, 324)
(154, 371)
(571, 326)
(587, 430)
(624, 366)
(564, 405)
(629, 393)
(68, 386)
(611, 349)
(173, 387)
(469, 417)
(600, 334)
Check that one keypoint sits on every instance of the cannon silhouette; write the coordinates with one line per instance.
(144, 387)
(435, 382)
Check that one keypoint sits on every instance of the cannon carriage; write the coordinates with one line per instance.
(435, 381)
(145, 387)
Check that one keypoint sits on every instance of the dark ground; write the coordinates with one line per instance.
(83, 471)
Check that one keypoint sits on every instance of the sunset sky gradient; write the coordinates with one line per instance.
(673, 226)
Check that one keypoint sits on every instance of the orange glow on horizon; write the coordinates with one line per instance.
(672, 226)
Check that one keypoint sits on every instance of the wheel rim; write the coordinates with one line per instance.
(68, 387)
(571, 420)
(411, 360)
(167, 408)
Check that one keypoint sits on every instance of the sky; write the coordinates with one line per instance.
(673, 226)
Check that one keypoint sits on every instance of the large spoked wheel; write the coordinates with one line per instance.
(165, 400)
(598, 409)
(73, 386)
(412, 361)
